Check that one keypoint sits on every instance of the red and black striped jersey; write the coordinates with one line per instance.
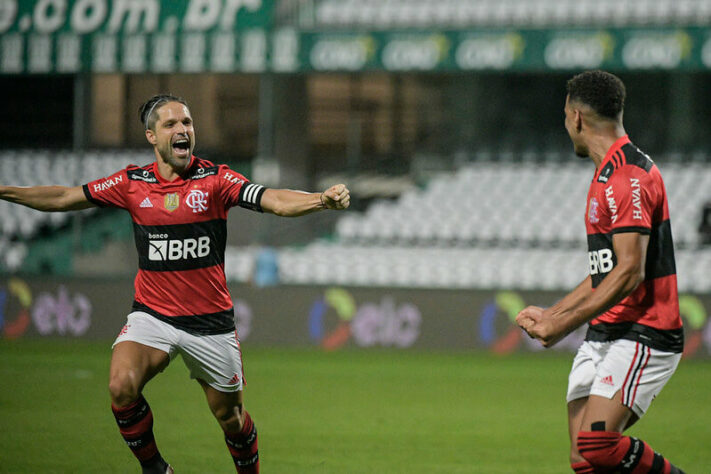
(180, 229)
(627, 194)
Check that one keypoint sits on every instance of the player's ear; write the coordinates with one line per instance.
(577, 119)
(151, 136)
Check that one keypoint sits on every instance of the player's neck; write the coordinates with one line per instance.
(167, 171)
(600, 143)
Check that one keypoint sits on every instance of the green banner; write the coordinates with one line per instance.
(516, 50)
(133, 36)
(197, 36)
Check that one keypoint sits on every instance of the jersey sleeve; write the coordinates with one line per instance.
(110, 191)
(236, 190)
(630, 203)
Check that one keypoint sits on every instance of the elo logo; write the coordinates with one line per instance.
(344, 305)
(510, 304)
(384, 324)
(12, 329)
(61, 312)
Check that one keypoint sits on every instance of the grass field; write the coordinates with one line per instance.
(344, 412)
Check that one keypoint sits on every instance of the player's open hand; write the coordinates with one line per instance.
(336, 197)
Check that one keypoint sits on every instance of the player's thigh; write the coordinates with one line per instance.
(215, 360)
(141, 361)
(227, 407)
(633, 374)
(576, 410)
(580, 381)
(582, 373)
(143, 348)
(605, 414)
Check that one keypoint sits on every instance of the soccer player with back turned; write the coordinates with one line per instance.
(634, 338)
(179, 206)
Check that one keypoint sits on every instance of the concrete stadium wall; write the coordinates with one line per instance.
(328, 317)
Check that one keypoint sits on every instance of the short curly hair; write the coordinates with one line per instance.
(148, 111)
(602, 91)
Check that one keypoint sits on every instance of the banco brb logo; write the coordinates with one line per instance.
(385, 323)
(177, 249)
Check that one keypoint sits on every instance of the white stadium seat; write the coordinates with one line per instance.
(487, 225)
(402, 14)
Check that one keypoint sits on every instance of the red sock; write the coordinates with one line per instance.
(135, 423)
(582, 467)
(243, 447)
(606, 450)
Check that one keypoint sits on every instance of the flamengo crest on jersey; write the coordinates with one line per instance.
(180, 232)
(197, 200)
(627, 194)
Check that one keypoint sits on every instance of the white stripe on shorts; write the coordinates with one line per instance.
(639, 362)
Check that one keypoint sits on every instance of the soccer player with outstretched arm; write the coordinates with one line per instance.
(634, 338)
(179, 206)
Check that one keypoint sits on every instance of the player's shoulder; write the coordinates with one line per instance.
(144, 173)
(225, 173)
(634, 159)
(625, 163)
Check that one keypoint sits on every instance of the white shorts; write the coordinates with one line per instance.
(604, 368)
(214, 359)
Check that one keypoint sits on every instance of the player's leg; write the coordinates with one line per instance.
(580, 380)
(215, 361)
(240, 431)
(576, 410)
(133, 364)
(629, 376)
(601, 442)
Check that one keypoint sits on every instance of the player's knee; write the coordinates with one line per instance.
(230, 418)
(600, 448)
(123, 388)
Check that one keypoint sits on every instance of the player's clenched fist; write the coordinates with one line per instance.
(527, 319)
(541, 325)
(336, 197)
(529, 316)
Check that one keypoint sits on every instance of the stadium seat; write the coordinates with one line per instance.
(490, 224)
(403, 14)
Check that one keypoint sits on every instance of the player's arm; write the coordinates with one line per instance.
(289, 203)
(47, 198)
(554, 323)
(577, 296)
(531, 314)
